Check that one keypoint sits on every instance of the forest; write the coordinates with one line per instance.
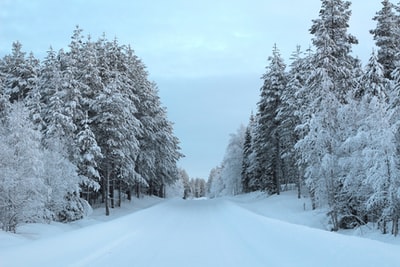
(83, 127)
(327, 125)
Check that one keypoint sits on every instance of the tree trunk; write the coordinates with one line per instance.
(112, 193)
(298, 185)
(334, 217)
(395, 226)
(137, 190)
(107, 188)
(278, 167)
(119, 194)
(384, 227)
(88, 194)
(129, 193)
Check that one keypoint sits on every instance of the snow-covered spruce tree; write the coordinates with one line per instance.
(249, 160)
(20, 73)
(267, 139)
(288, 117)
(387, 35)
(329, 86)
(373, 81)
(90, 154)
(59, 124)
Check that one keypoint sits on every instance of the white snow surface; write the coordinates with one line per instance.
(250, 230)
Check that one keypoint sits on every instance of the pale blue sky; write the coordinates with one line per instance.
(206, 56)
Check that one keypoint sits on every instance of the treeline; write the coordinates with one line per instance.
(186, 188)
(328, 125)
(85, 123)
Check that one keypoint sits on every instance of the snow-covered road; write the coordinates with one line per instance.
(200, 233)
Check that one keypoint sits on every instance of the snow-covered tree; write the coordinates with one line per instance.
(267, 143)
(20, 73)
(288, 117)
(373, 81)
(231, 173)
(23, 193)
(215, 185)
(387, 35)
(186, 183)
(249, 160)
(90, 154)
(329, 85)
(175, 190)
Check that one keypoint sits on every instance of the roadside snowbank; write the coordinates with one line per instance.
(287, 207)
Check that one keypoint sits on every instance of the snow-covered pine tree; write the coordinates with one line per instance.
(167, 150)
(333, 43)
(267, 139)
(159, 148)
(114, 125)
(387, 35)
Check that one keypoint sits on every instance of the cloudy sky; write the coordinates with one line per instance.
(206, 56)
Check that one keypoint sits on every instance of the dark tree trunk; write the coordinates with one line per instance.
(129, 194)
(112, 193)
(106, 189)
(298, 184)
(119, 194)
(137, 190)
(395, 226)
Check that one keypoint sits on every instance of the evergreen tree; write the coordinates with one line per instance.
(329, 85)
(333, 47)
(115, 126)
(287, 116)
(373, 81)
(387, 36)
(248, 163)
(20, 73)
(267, 138)
(90, 154)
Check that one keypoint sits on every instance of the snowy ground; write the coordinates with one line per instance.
(250, 230)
